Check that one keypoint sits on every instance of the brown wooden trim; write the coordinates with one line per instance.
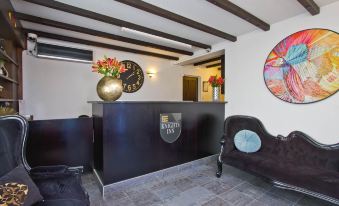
(207, 61)
(99, 44)
(310, 6)
(223, 73)
(177, 18)
(70, 27)
(241, 13)
(213, 65)
(114, 21)
(10, 29)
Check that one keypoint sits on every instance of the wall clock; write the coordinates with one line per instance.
(133, 78)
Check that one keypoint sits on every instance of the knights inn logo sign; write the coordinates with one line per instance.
(170, 126)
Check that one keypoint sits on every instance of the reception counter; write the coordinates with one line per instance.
(133, 138)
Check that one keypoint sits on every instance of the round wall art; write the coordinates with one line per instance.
(304, 67)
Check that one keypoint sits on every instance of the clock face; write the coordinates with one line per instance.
(133, 78)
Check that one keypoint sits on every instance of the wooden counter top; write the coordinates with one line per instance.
(156, 102)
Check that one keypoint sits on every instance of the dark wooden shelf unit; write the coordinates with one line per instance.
(8, 100)
(13, 43)
(7, 58)
(8, 79)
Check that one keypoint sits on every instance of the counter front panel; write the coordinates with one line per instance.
(128, 142)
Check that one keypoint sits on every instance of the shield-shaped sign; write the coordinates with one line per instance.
(170, 126)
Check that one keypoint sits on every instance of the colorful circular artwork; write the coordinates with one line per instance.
(304, 67)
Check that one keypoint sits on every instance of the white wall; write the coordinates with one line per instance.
(246, 91)
(55, 89)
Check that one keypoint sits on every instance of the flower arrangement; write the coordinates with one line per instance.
(215, 81)
(109, 67)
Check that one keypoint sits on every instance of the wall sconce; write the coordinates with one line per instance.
(150, 74)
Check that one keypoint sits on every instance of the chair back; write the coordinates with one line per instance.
(13, 131)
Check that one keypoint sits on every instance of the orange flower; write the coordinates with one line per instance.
(122, 69)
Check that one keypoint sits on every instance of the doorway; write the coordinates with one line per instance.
(190, 88)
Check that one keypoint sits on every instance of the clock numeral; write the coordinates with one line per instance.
(124, 85)
(129, 88)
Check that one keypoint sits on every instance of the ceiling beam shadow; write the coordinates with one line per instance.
(144, 6)
(241, 13)
(207, 61)
(114, 21)
(60, 25)
(213, 65)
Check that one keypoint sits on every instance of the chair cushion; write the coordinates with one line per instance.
(315, 179)
(58, 183)
(247, 141)
(17, 188)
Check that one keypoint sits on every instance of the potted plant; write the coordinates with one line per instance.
(109, 88)
(215, 82)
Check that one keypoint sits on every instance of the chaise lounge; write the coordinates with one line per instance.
(296, 162)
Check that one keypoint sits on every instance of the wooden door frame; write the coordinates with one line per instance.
(199, 85)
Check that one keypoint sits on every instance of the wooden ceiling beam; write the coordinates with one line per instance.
(144, 6)
(207, 61)
(213, 65)
(241, 13)
(56, 24)
(310, 6)
(98, 44)
(114, 21)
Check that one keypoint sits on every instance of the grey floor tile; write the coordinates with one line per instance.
(144, 198)
(287, 194)
(184, 183)
(191, 197)
(253, 191)
(201, 178)
(230, 180)
(216, 202)
(197, 186)
(312, 201)
(165, 190)
(217, 187)
(236, 198)
(120, 202)
(269, 199)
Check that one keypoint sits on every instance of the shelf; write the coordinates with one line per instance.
(8, 100)
(8, 79)
(7, 58)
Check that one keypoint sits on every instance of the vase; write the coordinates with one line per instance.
(109, 88)
(215, 93)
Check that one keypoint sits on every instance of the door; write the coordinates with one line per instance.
(190, 88)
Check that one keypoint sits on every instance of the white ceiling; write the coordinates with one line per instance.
(202, 11)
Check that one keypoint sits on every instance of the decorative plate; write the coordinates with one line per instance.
(304, 67)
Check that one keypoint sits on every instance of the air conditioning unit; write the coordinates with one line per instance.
(51, 51)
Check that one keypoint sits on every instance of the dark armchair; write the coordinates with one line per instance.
(59, 185)
(295, 162)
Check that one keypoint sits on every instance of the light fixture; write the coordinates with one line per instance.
(132, 31)
(150, 74)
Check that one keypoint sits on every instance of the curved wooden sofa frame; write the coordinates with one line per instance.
(294, 134)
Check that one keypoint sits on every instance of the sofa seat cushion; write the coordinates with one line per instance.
(315, 179)
(58, 183)
(62, 202)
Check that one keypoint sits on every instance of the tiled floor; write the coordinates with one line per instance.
(199, 186)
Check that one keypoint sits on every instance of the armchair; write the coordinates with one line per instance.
(59, 185)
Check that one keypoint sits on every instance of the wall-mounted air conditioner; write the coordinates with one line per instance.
(45, 50)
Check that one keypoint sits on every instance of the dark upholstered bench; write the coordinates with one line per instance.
(296, 162)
